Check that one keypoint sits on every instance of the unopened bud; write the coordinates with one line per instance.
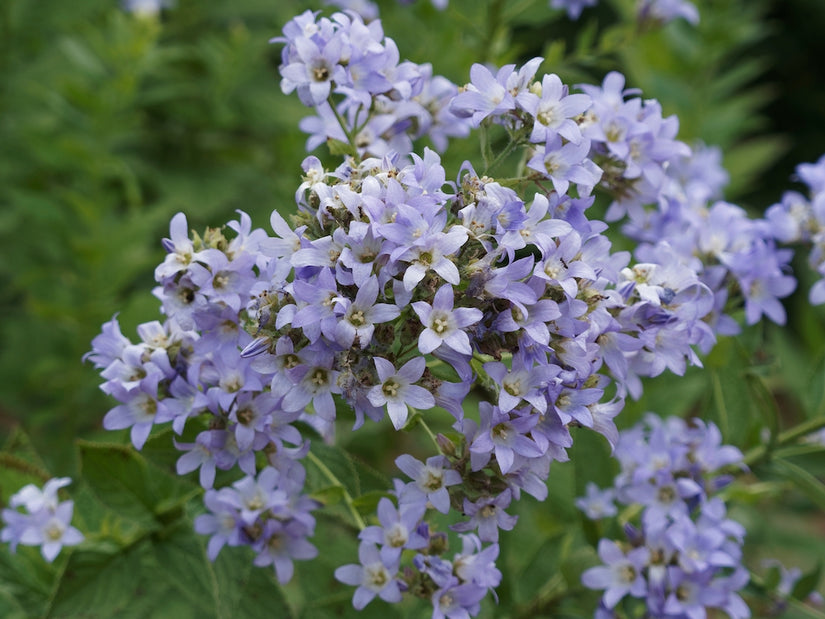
(446, 446)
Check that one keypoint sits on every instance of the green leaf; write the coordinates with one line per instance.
(82, 57)
(124, 481)
(182, 563)
(335, 468)
(20, 465)
(590, 455)
(765, 402)
(337, 147)
(772, 577)
(367, 503)
(353, 474)
(808, 583)
(245, 590)
(529, 562)
(580, 559)
(329, 495)
(108, 583)
(806, 483)
(26, 580)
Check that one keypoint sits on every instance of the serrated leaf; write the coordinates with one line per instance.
(25, 578)
(182, 562)
(20, 464)
(590, 455)
(337, 464)
(314, 585)
(529, 562)
(766, 403)
(10, 608)
(123, 480)
(245, 590)
(106, 582)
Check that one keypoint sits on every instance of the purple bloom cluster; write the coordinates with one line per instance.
(801, 219)
(388, 273)
(45, 521)
(394, 291)
(610, 136)
(267, 512)
(660, 11)
(362, 94)
(685, 556)
(541, 114)
(645, 166)
(189, 370)
(455, 588)
(663, 11)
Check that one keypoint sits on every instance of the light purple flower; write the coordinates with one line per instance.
(485, 95)
(430, 480)
(360, 316)
(372, 577)
(574, 8)
(46, 523)
(396, 389)
(597, 503)
(488, 516)
(621, 575)
(398, 530)
(443, 324)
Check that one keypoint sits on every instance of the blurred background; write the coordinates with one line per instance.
(110, 123)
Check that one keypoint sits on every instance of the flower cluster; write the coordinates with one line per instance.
(189, 371)
(670, 193)
(659, 11)
(364, 97)
(800, 219)
(267, 512)
(685, 556)
(45, 521)
(663, 11)
(455, 588)
(394, 291)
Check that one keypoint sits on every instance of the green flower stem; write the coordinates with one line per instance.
(428, 431)
(342, 123)
(763, 452)
(484, 144)
(500, 157)
(803, 609)
(720, 404)
(337, 482)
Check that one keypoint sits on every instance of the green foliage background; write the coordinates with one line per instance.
(110, 124)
